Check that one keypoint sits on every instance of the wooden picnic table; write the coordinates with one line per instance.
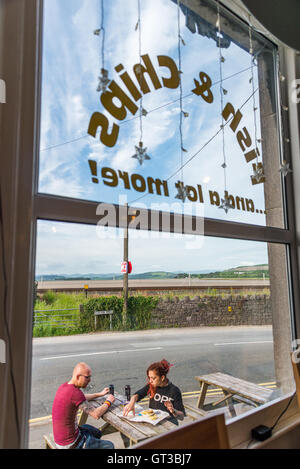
(232, 387)
(131, 432)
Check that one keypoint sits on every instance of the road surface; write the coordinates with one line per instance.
(122, 358)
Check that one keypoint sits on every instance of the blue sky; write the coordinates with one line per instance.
(71, 66)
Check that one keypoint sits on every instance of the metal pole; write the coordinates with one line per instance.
(125, 275)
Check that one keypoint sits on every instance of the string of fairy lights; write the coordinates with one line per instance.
(182, 193)
(225, 202)
(258, 173)
(141, 151)
(104, 80)
(284, 165)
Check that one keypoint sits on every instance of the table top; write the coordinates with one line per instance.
(135, 431)
(238, 386)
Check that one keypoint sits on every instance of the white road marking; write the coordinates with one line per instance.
(100, 353)
(245, 343)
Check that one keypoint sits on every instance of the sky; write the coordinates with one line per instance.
(72, 59)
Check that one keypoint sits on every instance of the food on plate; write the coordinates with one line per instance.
(148, 412)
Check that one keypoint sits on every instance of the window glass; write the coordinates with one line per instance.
(189, 112)
(216, 306)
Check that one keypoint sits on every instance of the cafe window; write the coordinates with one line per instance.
(197, 322)
(178, 120)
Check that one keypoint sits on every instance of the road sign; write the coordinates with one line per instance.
(126, 267)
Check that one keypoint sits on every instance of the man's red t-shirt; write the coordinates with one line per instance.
(64, 411)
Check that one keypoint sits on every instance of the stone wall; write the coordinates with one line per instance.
(213, 311)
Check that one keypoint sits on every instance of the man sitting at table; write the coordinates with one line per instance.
(68, 399)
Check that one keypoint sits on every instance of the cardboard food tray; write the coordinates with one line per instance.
(141, 417)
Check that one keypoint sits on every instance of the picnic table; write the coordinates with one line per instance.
(131, 432)
(240, 389)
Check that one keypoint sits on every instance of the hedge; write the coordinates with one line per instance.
(139, 309)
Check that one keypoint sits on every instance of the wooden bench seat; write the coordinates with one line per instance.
(49, 441)
(193, 412)
(232, 387)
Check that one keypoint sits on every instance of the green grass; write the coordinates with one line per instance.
(60, 301)
(57, 301)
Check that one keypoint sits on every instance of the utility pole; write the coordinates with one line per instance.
(125, 275)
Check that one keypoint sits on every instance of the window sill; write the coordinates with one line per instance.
(239, 428)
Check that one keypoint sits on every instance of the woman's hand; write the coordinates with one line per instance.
(170, 407)
(128, 408)
(177, 413)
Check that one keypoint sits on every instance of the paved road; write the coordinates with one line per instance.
(152, 283)
(122, 358)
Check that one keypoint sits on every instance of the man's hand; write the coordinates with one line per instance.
(110, 398)
(97, 412)
(90, 397)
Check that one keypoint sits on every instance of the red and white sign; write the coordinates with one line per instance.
(126, 267)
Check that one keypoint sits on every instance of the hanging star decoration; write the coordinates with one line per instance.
(281, 77)
(258, 173)
(285, 168)
(103, 80)
(181, 191)
(141, 154)
(226, 204)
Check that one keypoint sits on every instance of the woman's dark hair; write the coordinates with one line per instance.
(161, 368)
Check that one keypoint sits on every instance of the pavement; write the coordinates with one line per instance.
(41, 426)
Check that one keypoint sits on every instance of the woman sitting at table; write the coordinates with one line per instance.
(164, 395)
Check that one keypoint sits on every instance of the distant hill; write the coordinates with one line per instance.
(156, 275)
(105, 276)
(253, 271)
(251, 267)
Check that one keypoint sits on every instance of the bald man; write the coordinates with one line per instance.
(68, 399)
